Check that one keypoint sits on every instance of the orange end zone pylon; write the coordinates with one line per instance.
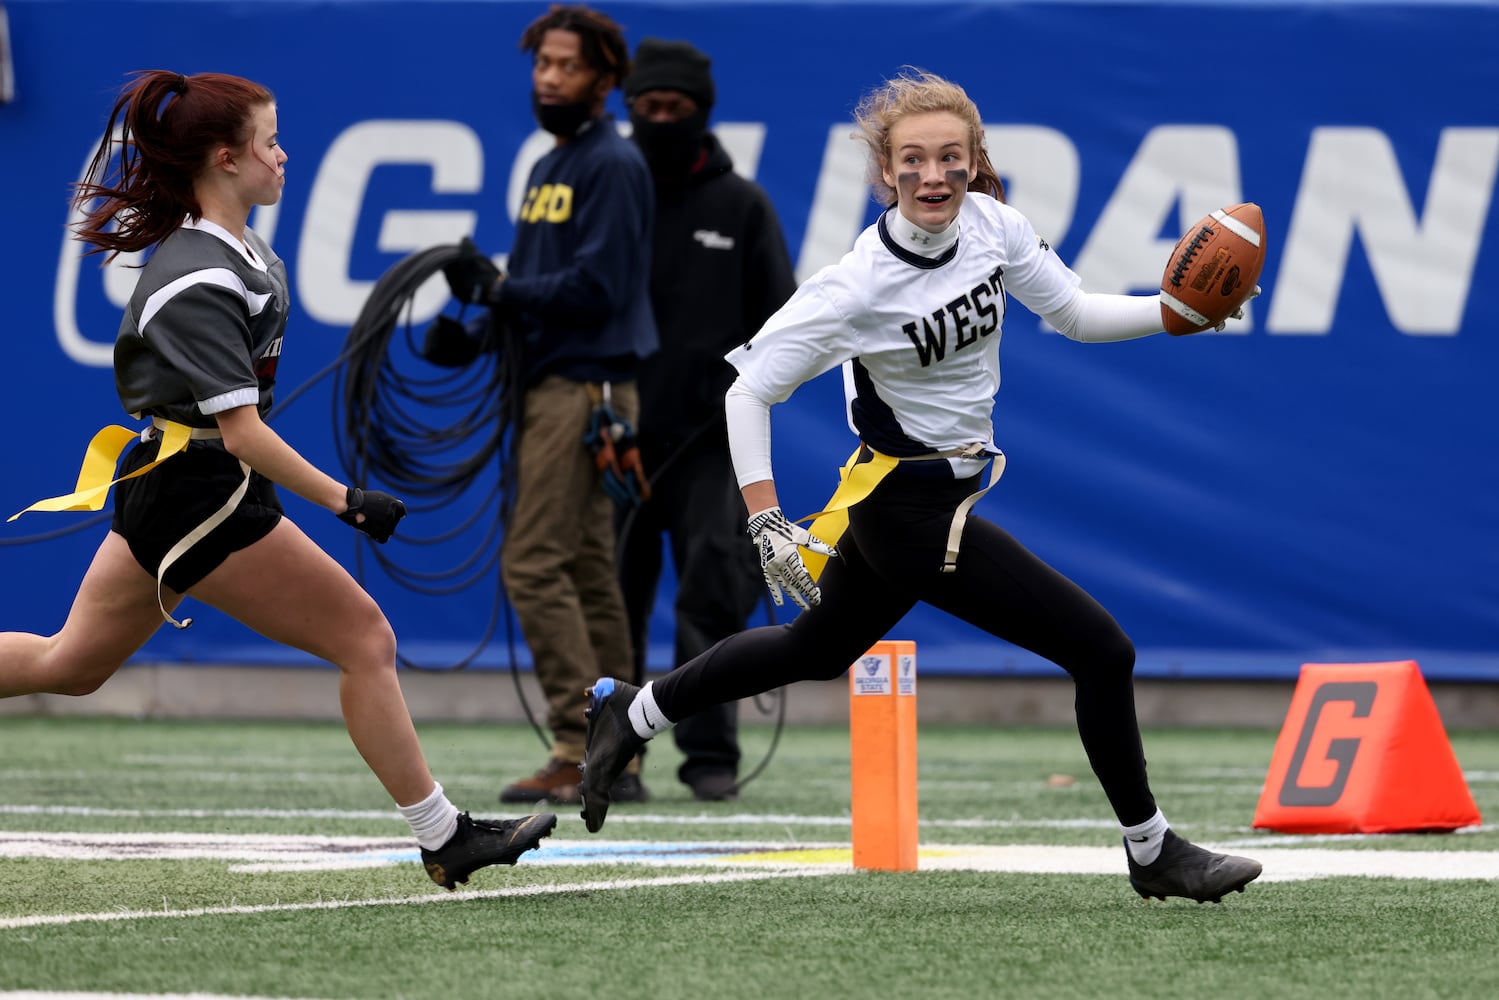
(1363, 750)
(882, 744)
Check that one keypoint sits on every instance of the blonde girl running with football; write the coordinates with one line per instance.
(913, 314)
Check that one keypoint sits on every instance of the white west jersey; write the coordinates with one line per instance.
(919, 335)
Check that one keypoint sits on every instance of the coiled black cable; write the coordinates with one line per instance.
(46, 536)
(433, 436)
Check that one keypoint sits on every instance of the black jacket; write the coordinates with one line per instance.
(719, 268)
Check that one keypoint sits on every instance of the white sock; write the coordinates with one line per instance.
(646, 715)
(1144, 841)
(434, 819)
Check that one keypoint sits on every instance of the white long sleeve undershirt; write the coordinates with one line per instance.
(748, 419)
(1098, 318)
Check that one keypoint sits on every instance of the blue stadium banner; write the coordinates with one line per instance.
(1318, 484)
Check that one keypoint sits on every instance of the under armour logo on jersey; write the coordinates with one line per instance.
(1045, 246)
(712, 240)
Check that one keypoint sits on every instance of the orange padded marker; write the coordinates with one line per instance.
(882, 744)
(1363, 750)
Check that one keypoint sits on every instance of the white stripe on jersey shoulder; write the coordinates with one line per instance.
(220, 276)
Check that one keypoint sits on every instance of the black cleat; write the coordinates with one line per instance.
(477, 844)
(629, 788)
(715, 786)
(1184, 869)
(610, 745)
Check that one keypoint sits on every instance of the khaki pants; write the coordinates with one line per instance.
(558, 556)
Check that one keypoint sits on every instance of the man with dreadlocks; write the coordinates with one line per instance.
(578, 291)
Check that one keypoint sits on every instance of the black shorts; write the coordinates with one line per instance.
(156, 511)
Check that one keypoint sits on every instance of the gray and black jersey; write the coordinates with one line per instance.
(202, 333)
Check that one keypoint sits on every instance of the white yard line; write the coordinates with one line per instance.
(620, 818)
(262, 853)
(56, 919)
(746, 861)
(74, 995)
(626, 817)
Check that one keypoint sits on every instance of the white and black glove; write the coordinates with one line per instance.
(777, 539)
(1238, 312)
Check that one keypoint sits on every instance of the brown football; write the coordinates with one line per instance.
(1213, 269)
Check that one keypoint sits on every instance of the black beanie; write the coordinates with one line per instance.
(669, 65)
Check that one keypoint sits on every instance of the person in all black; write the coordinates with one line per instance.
(196, 508)
(719, 268)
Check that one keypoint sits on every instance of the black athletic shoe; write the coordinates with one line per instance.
(715, 786)
(611, 743)
(478, 843)
(629, 788)
(1184, 869)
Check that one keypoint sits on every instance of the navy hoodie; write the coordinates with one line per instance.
(577, 281)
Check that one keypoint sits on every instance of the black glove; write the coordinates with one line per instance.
(451, 344)
(381, 512)
(472, 276)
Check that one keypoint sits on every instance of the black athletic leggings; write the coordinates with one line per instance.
(890, 558)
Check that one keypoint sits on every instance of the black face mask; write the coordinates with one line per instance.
(671, 148)
(561, 119)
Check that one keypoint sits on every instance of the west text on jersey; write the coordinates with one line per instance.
(974, 315)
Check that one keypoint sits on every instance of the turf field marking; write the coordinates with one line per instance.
(264, 853)
(254, 778)
(209, 846)
(78, 995)
(1297, 839)
(58, 919)
(620, 818)
(37, 810)
(623, 817)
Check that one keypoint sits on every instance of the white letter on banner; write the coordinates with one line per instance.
(119, 279)
(1040, 168)
(1191, 168)
(838, 204)
(744, 142)
(451, 148)
(1424, 268)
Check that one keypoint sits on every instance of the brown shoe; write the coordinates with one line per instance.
(556, 782)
